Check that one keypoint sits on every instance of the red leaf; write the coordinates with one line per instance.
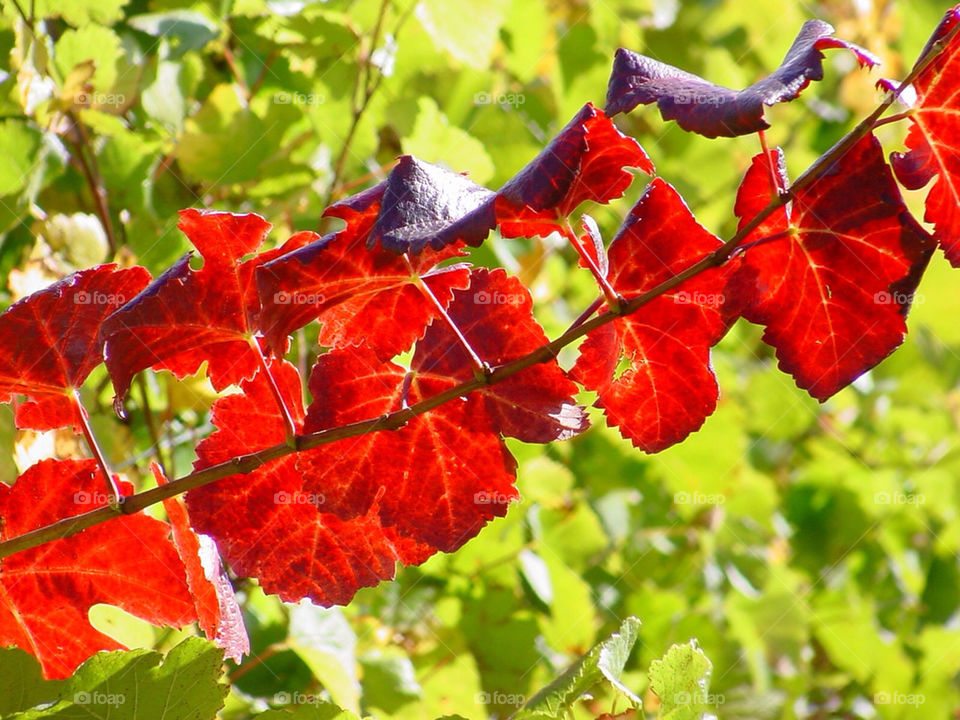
(934, 139)
(337, 518)
(585, 161)
(46, 592)
(49, 345)
(361, 296)
(218, 613)
(712, 110)
(834, 286)
(667, 389)
(186, 317)
(495, 315)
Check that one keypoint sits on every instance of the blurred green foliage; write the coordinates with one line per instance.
(810, 552)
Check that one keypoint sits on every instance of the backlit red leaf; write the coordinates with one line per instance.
(218, 612)
(495, 315)
(328, 521)
(651, 369)
(585, 161)
(712, 110)
(934, 138)
(835, 283)
(361, 293)
(46, 592)
(49, 343)
(186, 316)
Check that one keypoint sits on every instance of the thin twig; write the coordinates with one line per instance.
(91, 172)
(367, 83)
(151, 422)
(22, 14)
(274, 54)
(234, 70)
(585, 315)
(893, 118)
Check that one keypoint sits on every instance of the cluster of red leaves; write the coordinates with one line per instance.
(830, 279)
(51, 345)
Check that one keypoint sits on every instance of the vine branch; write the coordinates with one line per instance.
(395, 420)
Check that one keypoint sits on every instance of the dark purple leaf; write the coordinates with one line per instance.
(712, 110)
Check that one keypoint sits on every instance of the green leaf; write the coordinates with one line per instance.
(125, 684)
(21, 683)
(681, 679)
(81, 12)
(389, 681)
(166, 89)
(534, 570)
(308, 711)
(435, 140)
(190, 30)
(19, 147)
(92, 42)
(467, 29)
(325, 641)
(604, 662)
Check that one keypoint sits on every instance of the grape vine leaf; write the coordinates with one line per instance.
(21, 682)
(424, 204)
(49, 341)
(313, 711)
(45, 592)
(681, 679)
(933, 141)
(121, 685)
(495, 315)
(218, 612)
(667, 388)
(585, 161)
(360, 295)
(302, 527)
(701, 106)
(831, 280)
(186, 316)
(605, 662)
